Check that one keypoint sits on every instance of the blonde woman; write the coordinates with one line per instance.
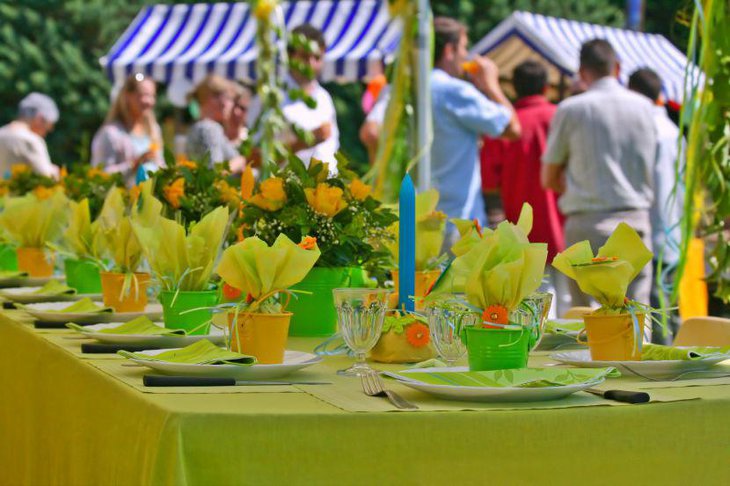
(207, 137)
(130, 136)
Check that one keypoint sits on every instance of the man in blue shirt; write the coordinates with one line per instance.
(463, 112)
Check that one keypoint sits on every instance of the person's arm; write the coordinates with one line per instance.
(555, 157)
(369, 135)
(486, 80)
(40, 160)
(552, 176)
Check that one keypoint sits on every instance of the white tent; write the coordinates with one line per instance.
(524, 35)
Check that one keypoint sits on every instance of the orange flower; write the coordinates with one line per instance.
(17, 169)
(42, 192)
(478, 227)
(497, 314)
(228, 194)
(239, 234)
(183, 161)
(271, 196)
(96, 172)
(325, 199)
(174, 191)
(308, 243)
(417, 335)
(230, 292)
(247, 183)
(604, 259)
(360, 190)
(63, 172)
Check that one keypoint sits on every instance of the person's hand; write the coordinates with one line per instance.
(486, 74)
(149, 155)
(323, 132)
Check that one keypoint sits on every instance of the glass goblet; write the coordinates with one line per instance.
(360, 315)
(537, 305)
(446, 325)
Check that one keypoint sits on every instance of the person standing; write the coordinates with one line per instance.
(666, 211)
(462, 112)
(600, 156)
(22, 141)
(512, 168)
(130, 137)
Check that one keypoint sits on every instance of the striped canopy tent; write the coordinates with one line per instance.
(179, 44)
(524, 35)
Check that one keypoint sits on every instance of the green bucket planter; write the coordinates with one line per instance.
(314, 314)
(8, 258)
(496, 349)
(82, 275)
(177, 310)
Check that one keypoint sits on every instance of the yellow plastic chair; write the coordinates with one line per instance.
(704, 331)
(577, 312)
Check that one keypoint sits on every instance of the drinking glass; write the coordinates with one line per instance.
(446, 325)
(360, 315)
(537, 306)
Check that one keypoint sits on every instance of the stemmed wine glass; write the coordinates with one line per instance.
(446, 325)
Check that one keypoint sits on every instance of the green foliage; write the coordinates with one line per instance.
(84, 182)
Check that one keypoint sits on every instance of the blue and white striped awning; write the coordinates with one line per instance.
(182, 43)
(524, 35)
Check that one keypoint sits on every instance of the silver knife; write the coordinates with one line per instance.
(162, 380)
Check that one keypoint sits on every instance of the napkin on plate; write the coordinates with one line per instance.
(522, 378)
(563, 326)
(85, 306)
(658, 352)
(140, 325)
(54, 287)
(12, 274)
(201, 352)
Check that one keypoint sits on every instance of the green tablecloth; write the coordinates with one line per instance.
(67, 419)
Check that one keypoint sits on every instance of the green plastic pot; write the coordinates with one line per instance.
(8, 258)
(314, 313)
(496, 349)
(178, 313)
(82, 275)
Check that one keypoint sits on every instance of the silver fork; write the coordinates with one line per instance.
(372, 386)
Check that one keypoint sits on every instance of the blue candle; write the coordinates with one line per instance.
(407, 244)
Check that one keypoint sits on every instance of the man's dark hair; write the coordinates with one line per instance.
(529, 78)
(446, 31)
(647, 82)
(598, 57)
(311, 33)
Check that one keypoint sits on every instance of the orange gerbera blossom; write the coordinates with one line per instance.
(183, 161)
(230, 292)
(174, 191)
(308, 243)
(417, 335)
(271, 196)
(497, 314)
(325, 199)
(359, 189)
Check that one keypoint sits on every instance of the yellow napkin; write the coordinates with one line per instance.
(606, 276)
(34, 222)
(180, 260)
(470, 232)
(430, 227)
(82, 237)
(260, 270)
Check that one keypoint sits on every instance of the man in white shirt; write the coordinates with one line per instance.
(600, 156)
(320, 119)
(22, 140)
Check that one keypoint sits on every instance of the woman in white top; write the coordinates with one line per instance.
(130, 137)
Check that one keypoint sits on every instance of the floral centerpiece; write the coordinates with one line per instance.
(348, 223)
(264, 273)
(123, 287)
(32, 222)
(182, 261)
(23, 180)
(405, 338)
(615, 330)
(90, 183)
(495, 275)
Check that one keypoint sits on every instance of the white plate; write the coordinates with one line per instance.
(293, 361)
(28, 281)
(24, 295)
(648, 369)
(47, 312)
(552, 340)
(490, 394)
(92, 331)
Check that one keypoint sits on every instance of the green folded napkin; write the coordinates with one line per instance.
(429, 363)
(140, 325)
(54, 287)
(658, 352)
(522, 378)
(12, 274)
(201, 352)
(563, 326)
(85, 306)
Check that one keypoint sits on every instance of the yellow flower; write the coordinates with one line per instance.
(263, 9)
(183, 161)
(3, 189)
(325, 199)
(271, 196)
(228, 194)
(247, 183)
(42, 192)
(17, 169)
(174, 191)
(360, 190)
(323, 173)
(96, 172)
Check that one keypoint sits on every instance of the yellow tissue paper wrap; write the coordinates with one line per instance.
(430, 227)
(606, 276)
(183, 260)
(82, 237)
(32, 222)
(260, 270)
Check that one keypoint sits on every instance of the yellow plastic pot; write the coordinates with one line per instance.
(114, 295)
(611, 337)
(36, 261)
(260, 335)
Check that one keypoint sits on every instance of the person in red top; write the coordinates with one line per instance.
(512, 168)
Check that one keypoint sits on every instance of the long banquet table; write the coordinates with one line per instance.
(72, 419)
